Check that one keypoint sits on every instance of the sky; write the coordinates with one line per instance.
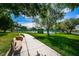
(72, 14)
(27, 21)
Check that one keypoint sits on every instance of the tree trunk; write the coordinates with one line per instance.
(48, 27)
(55, 29)
(4, 31)
(62, 30)
(48, 31)
(70, 31)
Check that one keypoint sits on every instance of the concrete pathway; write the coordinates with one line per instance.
(33, 47)
(24, 51)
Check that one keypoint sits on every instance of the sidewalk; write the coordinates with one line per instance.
(36, 48)
(24, 51)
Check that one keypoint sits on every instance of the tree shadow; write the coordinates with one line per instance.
(62, 44)
(3, 34)
(65, 45)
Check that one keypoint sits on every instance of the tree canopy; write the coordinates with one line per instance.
(68, 25)
(5, 23)
(49, 13)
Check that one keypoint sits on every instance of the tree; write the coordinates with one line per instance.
(43, 10)
(30, 10)
(72, 6)
(50, 14)
(61, 26)
(23, 28)
(5, 23)
(68, 25)
(73, 23)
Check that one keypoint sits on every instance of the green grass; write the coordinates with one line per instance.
(65, 44)
(5, 41)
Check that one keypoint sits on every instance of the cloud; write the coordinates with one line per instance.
(25, 16)
(29, 25)
(66, 10)
(77, 16)
(61, 20)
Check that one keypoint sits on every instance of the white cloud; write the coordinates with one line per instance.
(77, 16)
(29, 25)
(61, 20)
(66, 10)
(25, 16)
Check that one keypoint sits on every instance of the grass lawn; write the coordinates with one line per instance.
(65, 44)
(5, 41)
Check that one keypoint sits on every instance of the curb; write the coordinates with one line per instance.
(8, 52)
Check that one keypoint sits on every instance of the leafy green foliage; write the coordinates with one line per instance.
(5, 22)
(68, 25)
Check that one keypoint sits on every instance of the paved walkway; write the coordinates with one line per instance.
(24, 51)
(33, 47)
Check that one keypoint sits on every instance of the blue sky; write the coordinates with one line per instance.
(72, 14)
(21, 19)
